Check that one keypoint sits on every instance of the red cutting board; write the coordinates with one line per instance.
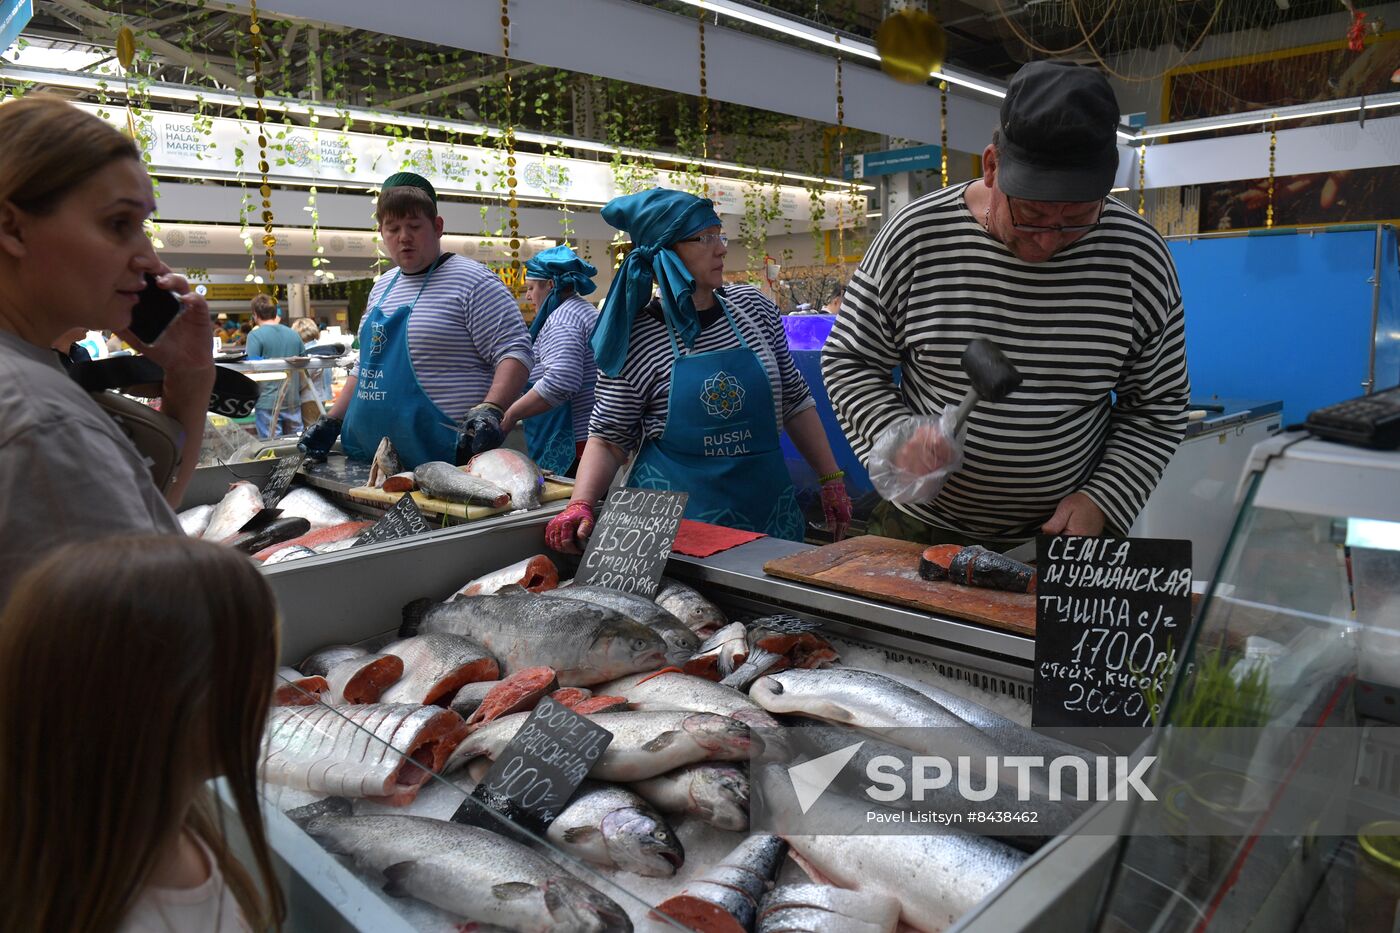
(887, 570)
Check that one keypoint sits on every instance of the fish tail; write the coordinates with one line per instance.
(413, 614)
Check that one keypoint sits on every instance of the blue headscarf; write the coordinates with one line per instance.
(565, 269)
(656, 219)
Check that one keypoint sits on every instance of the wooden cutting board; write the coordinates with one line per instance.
(887, 570)
(553, 492)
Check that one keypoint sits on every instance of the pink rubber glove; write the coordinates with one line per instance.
(568, 530)
(836, 506)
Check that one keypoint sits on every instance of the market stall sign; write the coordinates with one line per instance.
(893, 161)
(403, 520)
(1111, 617)
(628, 549)
(281, 479)
(14, 16)
(539, 769)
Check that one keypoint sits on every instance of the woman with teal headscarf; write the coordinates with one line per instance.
(697, 383)
(555, 410)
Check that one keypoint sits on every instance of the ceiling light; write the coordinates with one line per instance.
(1277, 115)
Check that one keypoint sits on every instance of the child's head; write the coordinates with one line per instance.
(132, 670)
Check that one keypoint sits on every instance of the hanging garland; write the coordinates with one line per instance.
(1142, 181)
(840, 164)
(269, 239)
(512, 203)
(704, 111)
(1273, 146)
(943, 131)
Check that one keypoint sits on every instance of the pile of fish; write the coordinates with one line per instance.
(495, 478)
(303, 523)
(689, 698)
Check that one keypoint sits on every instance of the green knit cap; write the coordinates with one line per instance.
(410, 180)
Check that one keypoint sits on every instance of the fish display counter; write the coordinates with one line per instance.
(660, 830)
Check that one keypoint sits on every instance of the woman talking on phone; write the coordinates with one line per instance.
(74, 196)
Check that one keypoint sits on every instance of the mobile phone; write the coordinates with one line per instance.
(155, 309)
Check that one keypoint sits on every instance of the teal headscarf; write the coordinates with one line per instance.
(656, 219)
(565, 269)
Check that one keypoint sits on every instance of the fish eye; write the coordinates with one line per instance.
(775, 687)
(639, 644)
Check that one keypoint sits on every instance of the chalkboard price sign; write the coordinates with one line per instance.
(628, 549)
(539, 770)
(1111, 616)
(401, 521)
(281, 479)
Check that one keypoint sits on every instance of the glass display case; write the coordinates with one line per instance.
(1277, 791)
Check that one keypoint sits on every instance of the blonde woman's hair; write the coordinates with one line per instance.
(306, 328)
(132, 670)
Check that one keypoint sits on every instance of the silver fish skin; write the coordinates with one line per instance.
(434, 665)
(305, 502)
(512, 471)
(872, 703)
(758, 663)
(936, 878)
(643, 744)
(194, 521)
(344, 544)
(242, 501)
(713, 791)
(330, 751)
(690, 606)
(466, 700)
(728, 647)
(861, 911)
(675, 690)
(320, 662)
(735, 885)
(384, 464)
(585, 644)
(471, 872)
(294, 552)
(444, 481)
(611, 826)
(681, 642)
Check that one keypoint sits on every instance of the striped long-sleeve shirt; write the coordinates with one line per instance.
(631, 406)
(1096, 332)
(565, 372)
(463, 325)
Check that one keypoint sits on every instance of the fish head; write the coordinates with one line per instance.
(642, 843)
(722, 795)
(573, 905)
(627, 648)
(719, 734)
(680, 645)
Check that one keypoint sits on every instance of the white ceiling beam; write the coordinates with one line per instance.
(630, 42)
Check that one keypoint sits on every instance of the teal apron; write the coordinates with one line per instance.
(720, 443)
(389, 401)
(550, 437)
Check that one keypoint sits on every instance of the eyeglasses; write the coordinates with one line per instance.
(1064, 228)
(708, 239)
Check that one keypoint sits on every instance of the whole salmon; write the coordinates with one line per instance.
(442, 480)
(511, 470)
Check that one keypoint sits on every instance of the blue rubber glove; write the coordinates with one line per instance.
(480, 431)
(316, 442)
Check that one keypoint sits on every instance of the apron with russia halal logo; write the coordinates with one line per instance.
(389, 401)
(720, 442)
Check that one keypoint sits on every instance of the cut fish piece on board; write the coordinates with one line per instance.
(363, 679)
(535, 574)
(935, 561)
(400, 482)
(725, 899)
(380, 751)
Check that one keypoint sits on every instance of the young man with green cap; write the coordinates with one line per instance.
(443, 348)
(555, 410)
(1077, 290)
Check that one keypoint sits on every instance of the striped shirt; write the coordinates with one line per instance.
(464, 325)
(631, 407)
(1096, 332)
(564, 367)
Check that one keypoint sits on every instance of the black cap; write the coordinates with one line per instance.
(1058, 134)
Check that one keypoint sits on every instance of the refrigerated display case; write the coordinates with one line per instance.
(1276, 753)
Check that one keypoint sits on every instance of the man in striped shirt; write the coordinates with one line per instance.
(443, 347)
(1079, 293)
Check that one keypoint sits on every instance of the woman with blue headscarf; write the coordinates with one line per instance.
(698, 383)
(555, 410)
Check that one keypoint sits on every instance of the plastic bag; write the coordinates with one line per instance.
(912, 458)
